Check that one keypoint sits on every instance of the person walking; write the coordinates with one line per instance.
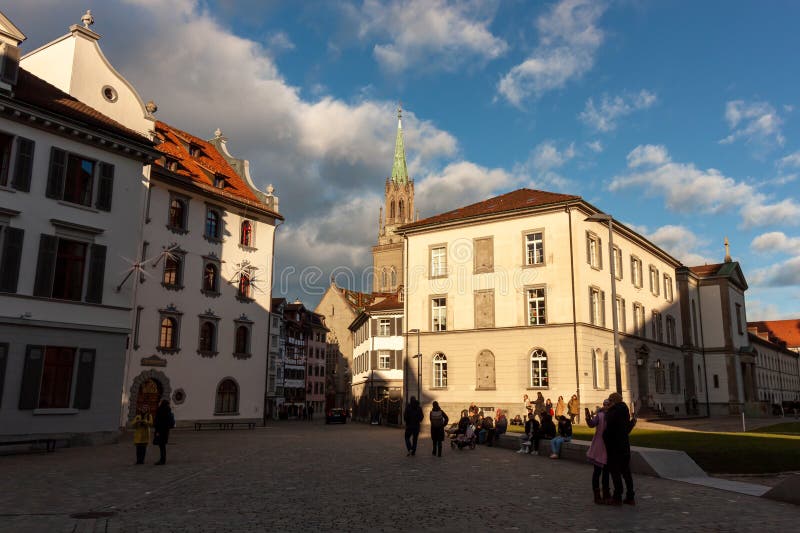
(141, 432)
(618, 448)
(163, 423)
(574, 409)
(413, 417)
(596, 454)
(310, 412)
(561, 407)
(439, 421)
(564, 435)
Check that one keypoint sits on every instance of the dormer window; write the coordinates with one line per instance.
(171, 164)
(194, 150)
(219, 181)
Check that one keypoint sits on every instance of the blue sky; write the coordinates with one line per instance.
(679, 118)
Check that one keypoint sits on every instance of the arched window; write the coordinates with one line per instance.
(172, 270)
(393, 276)
(439, 370)
(212, 224)
(600, 368)
(539, 368)
(207, 334)
(177, 211)
(210, 277)
(400, 209)
(244, 285)
(242, 339)
(484, 368)
(167, 337)
(391, 209)
(227, 398)
(384, 279)
(661, 379)
(246, 238)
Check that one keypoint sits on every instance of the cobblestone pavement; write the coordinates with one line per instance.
(295, 476)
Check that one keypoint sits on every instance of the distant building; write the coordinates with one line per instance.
(776, 346)
(304, 364)
(277, 358)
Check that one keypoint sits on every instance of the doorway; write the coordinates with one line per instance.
(149, 395)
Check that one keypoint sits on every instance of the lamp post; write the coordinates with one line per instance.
(603, 217)
(418, 357)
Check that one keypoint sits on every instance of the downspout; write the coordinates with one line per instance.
(405, 329)
(278, 223)
(568, 210)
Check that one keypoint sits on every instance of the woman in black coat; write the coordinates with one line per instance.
(163, 423)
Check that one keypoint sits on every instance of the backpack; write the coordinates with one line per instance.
(437, 419)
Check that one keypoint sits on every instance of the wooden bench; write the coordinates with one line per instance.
(223, 425)
(50, 443)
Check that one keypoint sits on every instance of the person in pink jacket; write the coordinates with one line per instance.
(597, 453)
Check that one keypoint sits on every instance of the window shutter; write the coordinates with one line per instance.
(588, 249)
(11, 257)
(24, 165)
(105, 187)
(603, 308)
(45, 266)
(83, 385)
(55, 176)
(31, 376)
(600, 253)
(97, 266)
(3, 360)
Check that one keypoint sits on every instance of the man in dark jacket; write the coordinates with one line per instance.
(413, 418)
(533, 433)
(618, 447)
(163, 423)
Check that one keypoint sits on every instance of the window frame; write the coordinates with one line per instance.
(439, 366)
(70, 156)
(251, 242)
(637, 272)
(211, 320)
(618, 268)
(218, 224)
(219, 405)
(598, 319)
(543, 298)
(443, 263)
(655, 281)
(600, 368)
(538, 360)
(384, 327)
(214, 290)
(594, 258)
(180, 257)
(639, 320)
(243, 295)
(668, 287)
(431, 300)
(621, 322)
(384, 360)
(525, 247)
(183, 227)
(175, 316)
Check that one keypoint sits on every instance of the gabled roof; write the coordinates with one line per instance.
(728, 269)
(391, 303)
(9, 29)
(513, 201)
(204, 167)
(36, 92)
(787, 331)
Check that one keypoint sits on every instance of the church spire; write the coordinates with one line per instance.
(399, 170)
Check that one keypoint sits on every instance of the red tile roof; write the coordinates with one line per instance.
(785, 330)
(202, 168)
(36, 92)
(707, 270)
(360, 300)
(391, 303)
(512, 201)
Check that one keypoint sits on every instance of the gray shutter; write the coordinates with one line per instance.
(603, 308)
(373, 326)
(46, 265)
(3, 360)
(97, 266)
(10, 261)
(55, 176)
(31, 376)
(588, 249)
(83, 385)
(105, 187)
(399, 325)
(600, 252)
(24, 165)
(373, 359)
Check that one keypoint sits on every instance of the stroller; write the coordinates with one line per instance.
(464, 439)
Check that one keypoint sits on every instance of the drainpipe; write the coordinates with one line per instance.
(278, 223)
(568, 210)
(405, 330)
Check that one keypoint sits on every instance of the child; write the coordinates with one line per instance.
(141, 432)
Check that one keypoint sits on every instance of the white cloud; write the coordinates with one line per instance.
(547, 156)
(784, 274)
(604, 116)
(595, 146)
(680, 242)
(459, 184)
(568, 41)
(790, 161)
(776, 241)
(648, 155)
(688, 189)
(279, 41)
(754, 122)
(429, 33)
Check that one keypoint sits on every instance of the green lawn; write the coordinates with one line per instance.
(785, 428)
(723, 453)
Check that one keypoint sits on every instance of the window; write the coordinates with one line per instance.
(69, 271)
(654, 280)
(483, 255)
(594, 250)
(56, 378)
(168, 336)
(534, 248)
(739, 318)
(219, 181)
(211, 278)
(56, 385)
(636, 272)
(621, 324)
(208, 338)
(384, 279)
(674, 378)
(383, 360)
(227, 398)
(694, 324)
(177, 214)
(438, 261)
(171, 164)
(400, 209)
(244, 286)
(617, 262)
(638, 320)
(246, 238)
(439, 314)
(61, 269)
(536, 306)
(672, 337)
(661, 385)
(538, 366)
(6, 141)
(393, 278)
(391, 210)
(213, 224)
(600, 368)
(597, 306)
(657, 327)
(78, 180)
(194, 150)
(439, 371)
(668, 287)
(173, 271)
(383, 327)
(23, 162)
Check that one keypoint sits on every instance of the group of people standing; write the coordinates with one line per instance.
(540, 405)
(413, 417)
(162, 423)
(610, 451)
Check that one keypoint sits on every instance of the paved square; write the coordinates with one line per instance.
(296, 476)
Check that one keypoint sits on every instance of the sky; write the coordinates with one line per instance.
(679, 118)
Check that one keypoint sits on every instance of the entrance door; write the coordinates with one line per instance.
(150, 395)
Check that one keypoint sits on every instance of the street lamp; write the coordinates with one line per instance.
(418, 357)
(603, 217)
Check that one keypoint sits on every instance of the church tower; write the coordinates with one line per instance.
(398, 209)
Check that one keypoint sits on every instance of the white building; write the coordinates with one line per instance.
(70, 186)
(202, 298)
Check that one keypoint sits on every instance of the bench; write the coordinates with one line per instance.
(223, 425)
(50, 443)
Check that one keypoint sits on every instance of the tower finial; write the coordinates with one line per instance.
(399, 169)
(399, 109)
(727, 251)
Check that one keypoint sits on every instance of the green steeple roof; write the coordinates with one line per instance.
(399, 170)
